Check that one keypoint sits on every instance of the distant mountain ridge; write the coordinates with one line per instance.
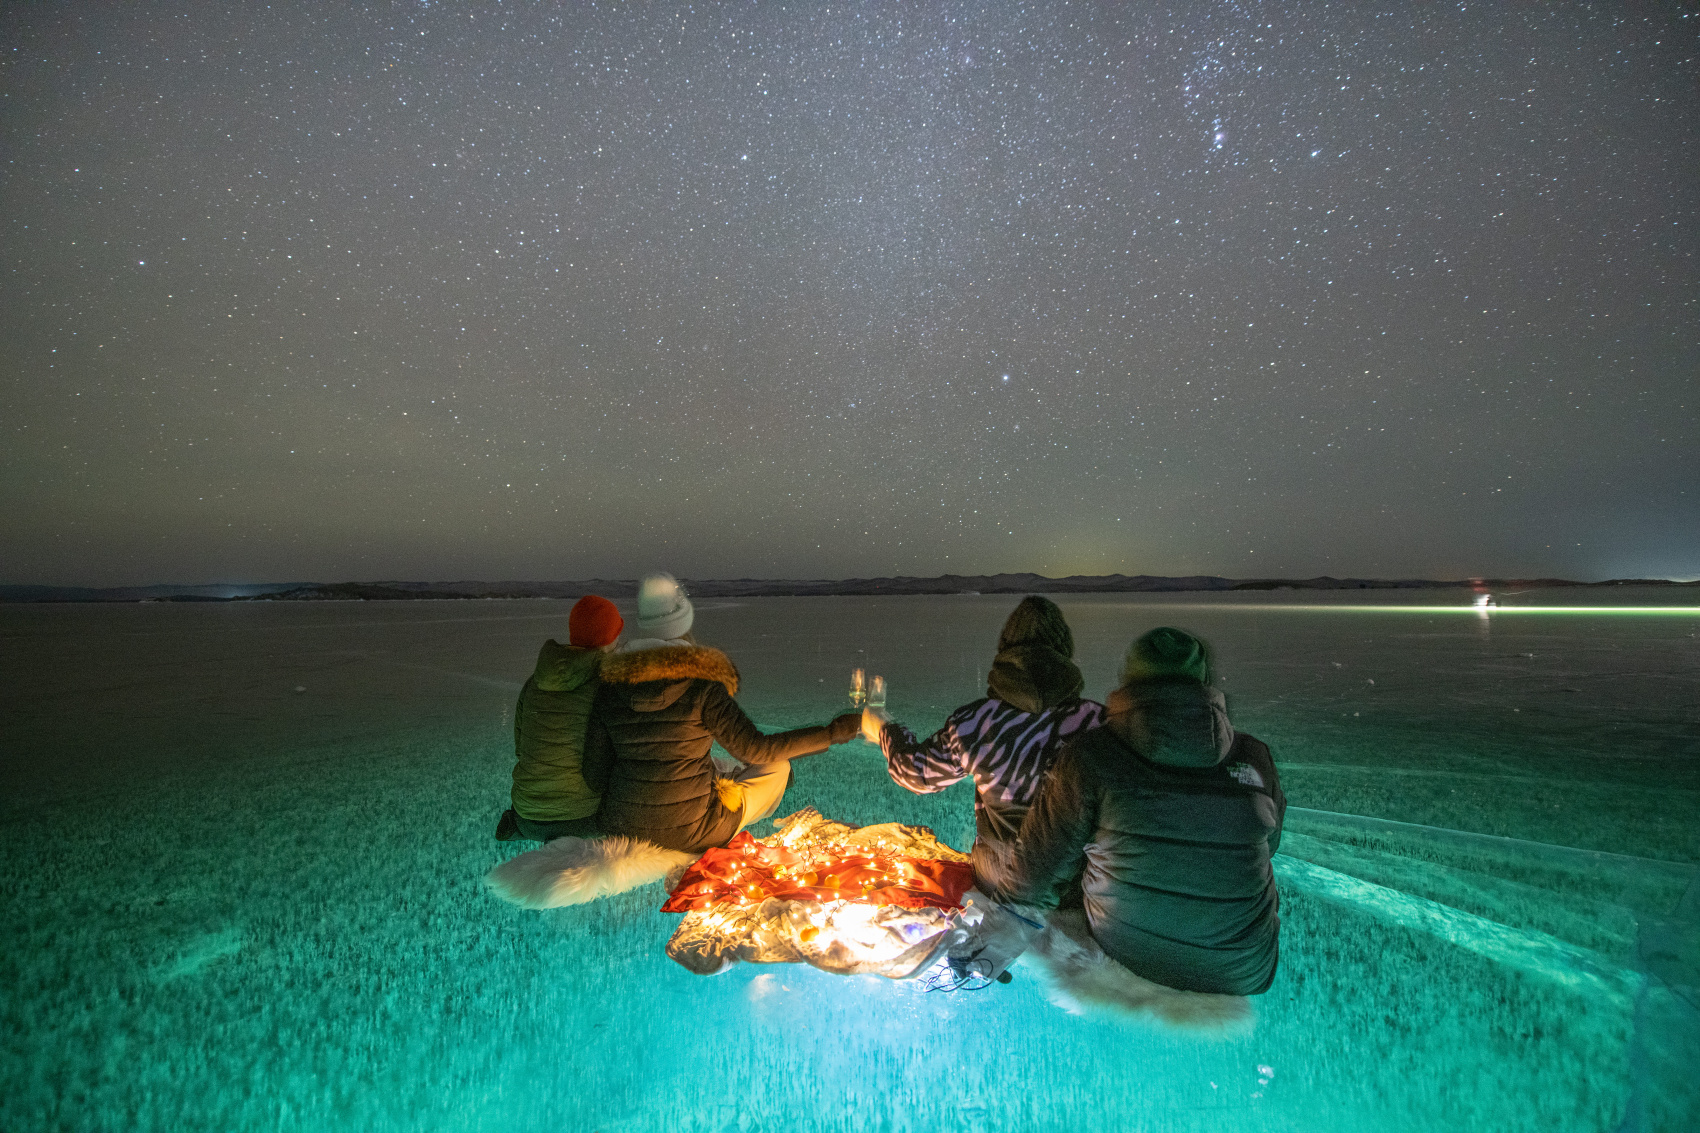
(769, 587)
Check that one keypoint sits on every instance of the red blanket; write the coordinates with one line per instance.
(749, 872)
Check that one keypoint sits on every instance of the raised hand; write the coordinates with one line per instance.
(843, 728)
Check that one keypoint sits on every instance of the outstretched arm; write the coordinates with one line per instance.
(1049, 853)
(924, 766)
(736, 733)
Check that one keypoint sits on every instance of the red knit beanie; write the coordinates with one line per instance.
(594, 622)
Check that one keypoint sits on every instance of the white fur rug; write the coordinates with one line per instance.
(1081, 977)
(571, 871)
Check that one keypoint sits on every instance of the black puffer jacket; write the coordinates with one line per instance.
(656, 715)
(1167, 820)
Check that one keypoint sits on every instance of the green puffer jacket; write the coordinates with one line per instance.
(551, 781)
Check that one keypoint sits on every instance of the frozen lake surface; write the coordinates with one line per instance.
(233, 905)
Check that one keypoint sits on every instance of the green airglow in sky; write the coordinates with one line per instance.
(1485, 611)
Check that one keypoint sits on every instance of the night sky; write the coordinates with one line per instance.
(517, 291)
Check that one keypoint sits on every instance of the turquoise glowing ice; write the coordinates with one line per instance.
(230, 905)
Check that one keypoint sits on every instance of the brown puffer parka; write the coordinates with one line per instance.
(658, 712)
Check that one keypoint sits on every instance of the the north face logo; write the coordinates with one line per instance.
(1246, 774)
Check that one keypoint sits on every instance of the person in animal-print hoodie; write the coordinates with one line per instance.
(1007, 740)
(662, 703)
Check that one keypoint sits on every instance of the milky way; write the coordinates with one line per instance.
(552, 291)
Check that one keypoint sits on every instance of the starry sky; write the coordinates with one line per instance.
(548, 291)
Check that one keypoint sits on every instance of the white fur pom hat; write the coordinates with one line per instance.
(663, 609)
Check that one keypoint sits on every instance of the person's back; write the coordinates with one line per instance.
(555, 792)
(1008, 740)
(1183, 815)
(662, 703)
(660, 708)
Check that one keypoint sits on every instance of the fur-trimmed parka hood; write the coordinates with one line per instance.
(651, 679)
(1172, 720)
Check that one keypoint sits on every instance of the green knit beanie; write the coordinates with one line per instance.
(1166, 652)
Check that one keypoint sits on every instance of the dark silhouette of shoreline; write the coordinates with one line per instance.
(762, 587)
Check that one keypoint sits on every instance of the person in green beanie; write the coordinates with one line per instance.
(1008, 739)
(1183, 814)
(1166, 652)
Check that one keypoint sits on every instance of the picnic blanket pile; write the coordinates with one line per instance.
(849, 900)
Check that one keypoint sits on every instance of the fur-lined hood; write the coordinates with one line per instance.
(673, 664)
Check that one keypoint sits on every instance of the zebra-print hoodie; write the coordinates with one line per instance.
(1009, 740)
(1006, 750)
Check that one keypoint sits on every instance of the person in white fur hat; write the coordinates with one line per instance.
(664, 700)
(665, 614)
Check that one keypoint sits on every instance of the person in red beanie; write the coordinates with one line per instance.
(594, 623)
(555, 793)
